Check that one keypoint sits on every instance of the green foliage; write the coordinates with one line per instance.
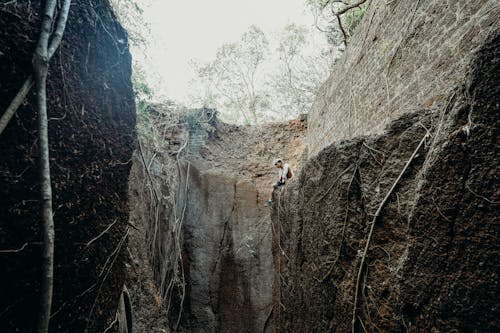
(196, 121)
(353, 18)
(130, 14)
(318, 3)
(143, 95)
(385, 46)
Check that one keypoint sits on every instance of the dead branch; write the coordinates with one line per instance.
(15, 250)
(377, 213)
(133, 226)
(16, 103)
(335, 182)
(362, 325)
(111, 259)
(480, 196)
(112, 323)
(344, 33)
(101, 234)
(349, 7)
(334, 263)
(157, 197)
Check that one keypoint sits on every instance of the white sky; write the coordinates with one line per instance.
(183, 30)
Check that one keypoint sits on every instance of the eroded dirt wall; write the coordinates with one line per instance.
(432, 262)
(403, 57)
(227, 233)
(215, 270)
(153, 185)
(91, 133)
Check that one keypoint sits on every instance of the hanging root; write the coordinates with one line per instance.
(377, 213)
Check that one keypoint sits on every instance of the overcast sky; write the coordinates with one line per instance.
(183, 30)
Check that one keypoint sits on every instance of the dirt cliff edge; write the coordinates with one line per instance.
(432, 258)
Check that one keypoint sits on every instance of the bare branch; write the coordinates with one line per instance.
(157, 197)
(339, 20)
(16, 103)
(101, 234)
(112, 323)
(15, 250)
(337, 9)
(111, 260)
(349, 7)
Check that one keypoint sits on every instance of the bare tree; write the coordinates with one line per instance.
(231, 80)
(299, 73)
(330, 15)
(43, 52)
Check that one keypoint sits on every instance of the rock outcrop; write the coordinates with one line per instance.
(398, 231)
(405, 56)
(91, 134)
(211, 251)
(392, 231)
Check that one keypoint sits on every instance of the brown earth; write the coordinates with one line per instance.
(433, 259)
(199, 252)
(212, 231)
(91, 135)
(150, 198)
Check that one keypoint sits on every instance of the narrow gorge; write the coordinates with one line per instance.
(389, 223)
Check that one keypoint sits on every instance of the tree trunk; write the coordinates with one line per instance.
(25, 89)
(46, 197)
(40, 67)
(253, 109)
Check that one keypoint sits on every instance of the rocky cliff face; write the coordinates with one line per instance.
(392, 232)
(397, 232)
(404, 56)
(212, 254)
(91, 135)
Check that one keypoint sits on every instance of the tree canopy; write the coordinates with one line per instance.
(258, 79)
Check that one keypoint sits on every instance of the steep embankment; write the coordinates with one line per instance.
(405, 56)
(91, 135)
(210, 241)
(399, 231)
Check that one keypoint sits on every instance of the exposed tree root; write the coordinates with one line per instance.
(377, 213)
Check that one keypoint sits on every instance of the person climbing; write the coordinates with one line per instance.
(285, 173)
